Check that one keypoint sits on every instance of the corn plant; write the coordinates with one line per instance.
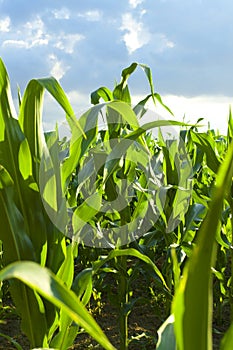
(190, 325)
(112, 167)
(27, 232)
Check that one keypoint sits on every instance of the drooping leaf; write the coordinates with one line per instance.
(103, 93)
(130, 252)
(49, 286)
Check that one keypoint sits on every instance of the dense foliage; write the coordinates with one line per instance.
(115, 200)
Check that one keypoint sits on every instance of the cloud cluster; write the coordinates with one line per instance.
(5, 24)
(62, 13)
(135, 3)
(32, 34)
(188, 44)
(58, 68)
(137, 35)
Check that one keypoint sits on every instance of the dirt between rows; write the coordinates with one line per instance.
(143, 326)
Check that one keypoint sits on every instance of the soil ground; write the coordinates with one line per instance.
(143, 324)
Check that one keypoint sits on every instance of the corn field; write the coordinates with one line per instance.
(115, 206)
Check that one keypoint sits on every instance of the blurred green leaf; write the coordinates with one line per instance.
(166, 336)
(227, 341)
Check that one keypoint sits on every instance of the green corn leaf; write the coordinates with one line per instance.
(12, 137)
(79, 144)
(206, 143)
(159, 99)
(25, 160)
(30, 116)
(22, 203)
(230, 128)
(68, 330)
(155, 96)
(121, 91)
(30, 120)
(126, 112)
(16, 158)
(195, 213)
(12, 341)
(120, 149)
(50, 182)
(130, 252)
(192, 305)
(17, 246)
(155, 124)
(140, 109)
(55, 89)
(166, 336)
(49, 286)
(227, 341)
(66, 271)
(19, 211)
(88, 123)
(103, 93)
(126, 74)
(86, 211)
(148, 73)
(82, 286)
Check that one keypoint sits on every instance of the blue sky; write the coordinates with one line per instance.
(85, 45)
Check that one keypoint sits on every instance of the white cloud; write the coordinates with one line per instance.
(135, 3)
(161, 42)
(33, 34)
(24, 43)
(63, 13)
(15, 43)
(36, 29)
(91, 16)
(5, 24)
(67, 42)
(214, 109)
(143, 12)
(58, 69)
(137, 35)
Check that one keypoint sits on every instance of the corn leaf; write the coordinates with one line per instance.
(130, 252)
(17, 246)
(227, 341)
(192, 306)
(44, 282)
(206, 143)
(103, 93)
(166, 336)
